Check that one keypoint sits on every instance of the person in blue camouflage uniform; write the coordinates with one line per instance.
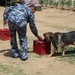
(17, 18)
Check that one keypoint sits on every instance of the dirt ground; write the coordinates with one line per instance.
(46, 20)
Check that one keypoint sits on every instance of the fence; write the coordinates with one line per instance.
(69, 4)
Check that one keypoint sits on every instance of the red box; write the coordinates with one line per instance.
(4, 34)
(41, 47)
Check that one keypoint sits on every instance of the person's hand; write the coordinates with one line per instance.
(4, 23)
(40, 38)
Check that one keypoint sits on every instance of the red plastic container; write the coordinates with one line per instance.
(4, 34)
(41, 47)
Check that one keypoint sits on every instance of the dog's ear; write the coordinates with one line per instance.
(47, 36)
(46, 33)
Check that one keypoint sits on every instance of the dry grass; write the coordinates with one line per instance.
(46, 20)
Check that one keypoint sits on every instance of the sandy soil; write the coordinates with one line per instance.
(46, 20)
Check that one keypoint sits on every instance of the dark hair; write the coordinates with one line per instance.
(33, 6)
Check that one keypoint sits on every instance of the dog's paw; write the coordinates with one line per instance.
(50, 55)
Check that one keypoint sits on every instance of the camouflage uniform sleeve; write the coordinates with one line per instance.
(32, 24)
(6, 12)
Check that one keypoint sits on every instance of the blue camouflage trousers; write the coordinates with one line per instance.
(22, 39)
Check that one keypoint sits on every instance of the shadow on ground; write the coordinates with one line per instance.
(8, 53)
(67, 53)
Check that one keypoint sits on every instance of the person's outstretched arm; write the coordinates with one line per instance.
(33, 26)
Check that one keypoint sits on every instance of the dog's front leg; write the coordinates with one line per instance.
(63, 52)
(52, 52)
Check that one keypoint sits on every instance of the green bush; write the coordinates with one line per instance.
(69, 2)
(51, 2)
(74, 3)
(41, 1)
(56, 3)
(62, 2)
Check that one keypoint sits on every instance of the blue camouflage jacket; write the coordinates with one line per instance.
(20, 15)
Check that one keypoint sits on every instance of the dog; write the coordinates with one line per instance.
(59, 39)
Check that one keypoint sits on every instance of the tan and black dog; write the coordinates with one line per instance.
(59, 39)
